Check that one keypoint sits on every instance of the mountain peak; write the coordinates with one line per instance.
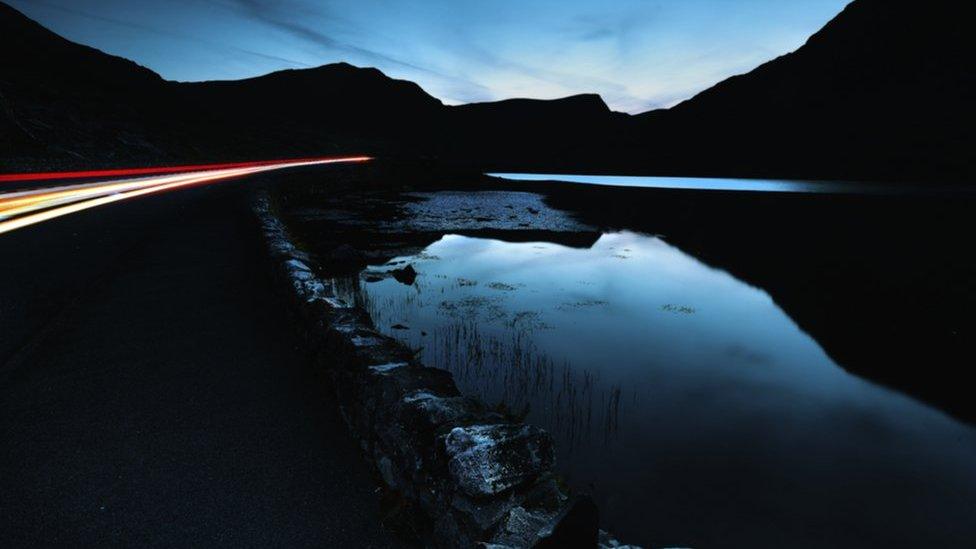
(585, 104)
(337, 79)
(585, 100)
(882, 90)
(28, 50)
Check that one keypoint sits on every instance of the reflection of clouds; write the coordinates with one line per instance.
(662, 373)
(746, 355)
(667, 328)
(585, 306)
(465, 319)
(702, 183)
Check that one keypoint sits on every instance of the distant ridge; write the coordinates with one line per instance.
(883, 91)
(67, 104)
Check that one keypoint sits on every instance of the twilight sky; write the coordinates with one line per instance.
(638, 54)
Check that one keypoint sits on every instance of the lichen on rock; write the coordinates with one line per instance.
(486, 460)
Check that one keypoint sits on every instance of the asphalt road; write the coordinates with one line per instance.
(153, 391)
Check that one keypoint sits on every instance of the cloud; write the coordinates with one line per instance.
(570, 82)
(278, 18)
(637, 54)
(167, 32)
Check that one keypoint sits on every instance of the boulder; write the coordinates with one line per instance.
(486, 460)
(406, 275)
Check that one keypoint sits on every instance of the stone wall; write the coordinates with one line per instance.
(473, 476)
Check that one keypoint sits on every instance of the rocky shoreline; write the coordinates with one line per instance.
(469, 476)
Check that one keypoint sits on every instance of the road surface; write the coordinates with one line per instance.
(153, 392)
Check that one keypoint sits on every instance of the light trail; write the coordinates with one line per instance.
(15, 203)
(24, 208)
(125, 172)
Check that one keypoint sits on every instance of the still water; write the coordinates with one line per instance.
(690, 405)
(715, 184)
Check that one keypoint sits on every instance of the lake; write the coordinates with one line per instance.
(718, 369)
(722, 184)
(689, 404)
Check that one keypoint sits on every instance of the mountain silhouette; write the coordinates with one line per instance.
(64, 101)
(544, 134)
(303, 112)
(884, 90)
(68, 104)
(881, 92)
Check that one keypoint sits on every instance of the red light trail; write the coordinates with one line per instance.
(23, 208)
(128, 172)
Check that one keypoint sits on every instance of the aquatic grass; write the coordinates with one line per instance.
(492, 354)
(682, 309)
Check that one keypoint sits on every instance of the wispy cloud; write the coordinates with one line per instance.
(567, 82)
(280, 15)
(167, 32)
(637, 54)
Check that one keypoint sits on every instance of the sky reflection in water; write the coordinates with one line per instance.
(708, 183)
(688, 402)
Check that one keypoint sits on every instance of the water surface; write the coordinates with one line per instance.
(687, 402)
(713, 184)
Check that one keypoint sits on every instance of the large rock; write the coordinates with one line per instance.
(486, 460)
(406, 275)
(426, 412)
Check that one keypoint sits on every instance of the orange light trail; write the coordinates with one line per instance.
(24, 208)
(125, 172)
